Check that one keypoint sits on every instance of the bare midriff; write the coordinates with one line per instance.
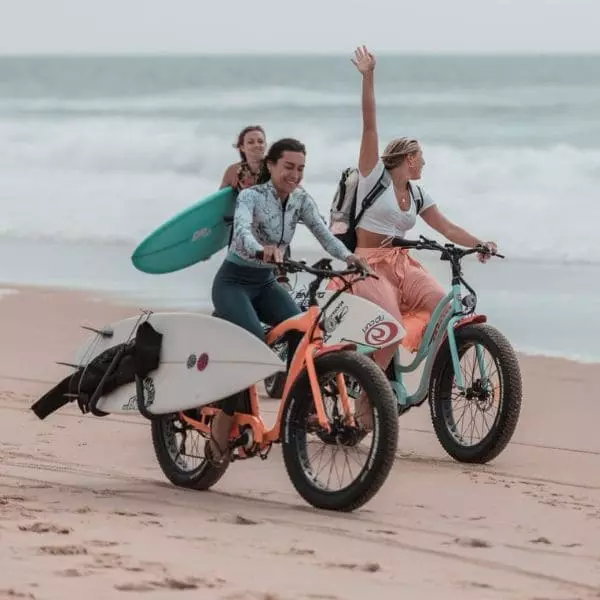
(369, 239)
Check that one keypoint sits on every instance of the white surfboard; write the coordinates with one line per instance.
(351, 318)
(203, 359)
(354, 319)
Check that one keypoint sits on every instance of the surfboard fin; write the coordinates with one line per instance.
(67, 364)
(105, 333)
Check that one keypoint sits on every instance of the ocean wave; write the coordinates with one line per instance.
(115, 182)
(269, 97)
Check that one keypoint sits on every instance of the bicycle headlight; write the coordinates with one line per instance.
(469, 301)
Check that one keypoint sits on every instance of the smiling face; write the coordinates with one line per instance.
(287, 172)
(253, 145)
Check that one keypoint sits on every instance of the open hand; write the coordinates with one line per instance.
(363, 60)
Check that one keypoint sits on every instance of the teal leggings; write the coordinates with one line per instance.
(249, 297)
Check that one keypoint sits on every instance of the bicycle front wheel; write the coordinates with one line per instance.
(344, 468)
(474, 424)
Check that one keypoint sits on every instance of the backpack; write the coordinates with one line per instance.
(342, 215)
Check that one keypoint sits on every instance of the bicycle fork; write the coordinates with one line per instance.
(458, 375)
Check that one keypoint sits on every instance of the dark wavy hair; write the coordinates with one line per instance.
(242, 135)
(276, 152)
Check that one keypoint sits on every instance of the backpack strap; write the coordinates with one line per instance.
(418, 201)
(342, 187)
(382, 184)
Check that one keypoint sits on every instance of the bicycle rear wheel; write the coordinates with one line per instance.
(179, 450)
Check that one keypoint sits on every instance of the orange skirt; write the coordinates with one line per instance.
(404, 289)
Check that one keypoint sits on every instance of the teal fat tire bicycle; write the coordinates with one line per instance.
(471, 373)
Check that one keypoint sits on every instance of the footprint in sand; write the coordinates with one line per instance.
(541, 540)
(45, 528)
(470, 543)
(384, 531)
(134, 587)
(171, 583)
(152, 522)
(264, 596)
(477, 584)
(12, 593)
(102, 543)
(72, 573)
(366, 567)
(108, 560)
(301, 551)
(234, 520)
(63, 550)
(9, 499)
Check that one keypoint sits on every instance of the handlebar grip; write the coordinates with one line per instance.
(259, 255)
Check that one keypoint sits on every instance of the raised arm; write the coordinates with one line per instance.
(364, 61)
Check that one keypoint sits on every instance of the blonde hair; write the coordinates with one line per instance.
(395, 152)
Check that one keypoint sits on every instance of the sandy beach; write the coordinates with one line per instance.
(86, 512)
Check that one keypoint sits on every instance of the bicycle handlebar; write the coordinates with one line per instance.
(321, 268)
(426, 244)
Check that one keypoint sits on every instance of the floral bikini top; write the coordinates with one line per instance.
(245, 176)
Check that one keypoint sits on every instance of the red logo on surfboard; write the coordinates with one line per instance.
(380, 333)
(202, 362)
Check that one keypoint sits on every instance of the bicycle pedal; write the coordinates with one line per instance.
(264, 455)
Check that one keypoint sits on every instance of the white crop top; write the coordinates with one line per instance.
(385, 216)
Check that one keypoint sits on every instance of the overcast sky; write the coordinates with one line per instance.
(201, 26)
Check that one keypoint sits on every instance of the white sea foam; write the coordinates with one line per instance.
(119, 181)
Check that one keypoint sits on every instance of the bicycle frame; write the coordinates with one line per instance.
(311, 346)
(442, 324)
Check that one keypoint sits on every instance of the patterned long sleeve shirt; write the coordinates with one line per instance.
(261, 219)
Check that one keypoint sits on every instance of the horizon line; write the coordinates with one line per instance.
(292, 54)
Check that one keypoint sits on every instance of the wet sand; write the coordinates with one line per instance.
(85, 509)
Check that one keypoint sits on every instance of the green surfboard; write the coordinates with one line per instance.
(191, 236)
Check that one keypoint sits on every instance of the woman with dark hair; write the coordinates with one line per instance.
(251, 145)
(245, 291)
